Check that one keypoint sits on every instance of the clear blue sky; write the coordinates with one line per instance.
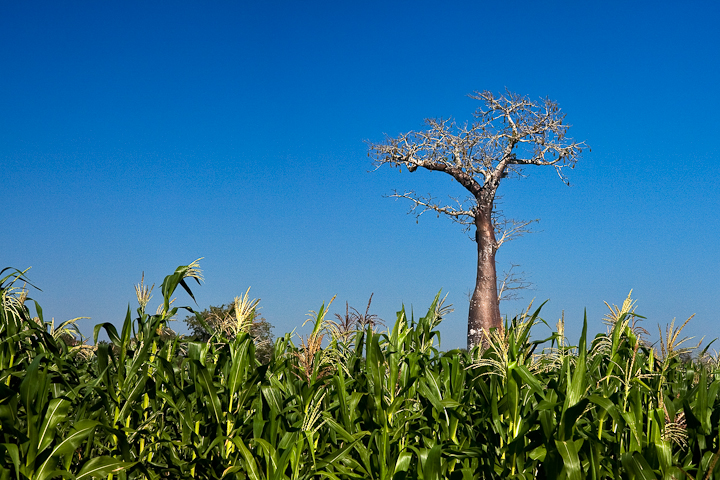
(138, 136)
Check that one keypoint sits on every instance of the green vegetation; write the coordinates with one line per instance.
(347, 401)
(228, 320)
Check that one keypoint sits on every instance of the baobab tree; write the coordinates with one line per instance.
(509, 132)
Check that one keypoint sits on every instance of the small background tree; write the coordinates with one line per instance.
(229, 319)
(509, 132)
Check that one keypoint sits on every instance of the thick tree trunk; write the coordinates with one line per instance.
(484, 306)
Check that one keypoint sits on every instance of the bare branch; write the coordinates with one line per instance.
(536, 130)
(421, 205)
(507, 229)
(511, 283)
(509, 130)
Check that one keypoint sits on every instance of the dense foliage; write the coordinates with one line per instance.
(222, 320)
(346, 402)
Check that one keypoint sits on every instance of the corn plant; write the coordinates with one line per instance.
(348, 400)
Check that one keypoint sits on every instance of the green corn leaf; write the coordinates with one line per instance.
(33, 395)
(231, 470)
(56, 412)
(165, 370)
(276, 466)
(169, 285)
(431, 468)
(208, 447)
(101, 467)
(206, 381)
(39, 312)
(60, 474)
(195, 352)
(281, 466)
(273, 397)
(403, 462)
(571, 417)
(30, 388)
(80, 431)
(673, 473)
(258, 422)
(14, 453)
(710, 460)
(512, 398)
(431, 392)
(449, 403)
(130, 401)
(616, 337)
(571, 461)
(104, 356)
(527, 378)
(610, 407)
(359, 447)
(321, 313)
(111, 333)
(240, 362)
(187, 288)
(701, 410)
(399, 331)
(538, 453)
(337, 456)
(495, 413)
(182, 415)
(637, 466)
(713, 392)
(140, 366)
(126, 336)
(663, 451)
(577, 380)
(635, 431)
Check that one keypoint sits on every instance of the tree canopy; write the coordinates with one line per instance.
(510, 132)
(232, 318)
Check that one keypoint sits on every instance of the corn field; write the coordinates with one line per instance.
(349, 401)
